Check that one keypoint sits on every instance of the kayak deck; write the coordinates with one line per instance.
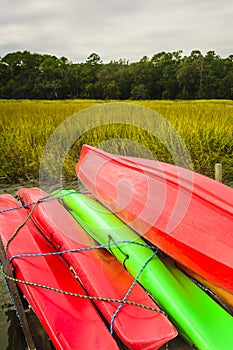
(173, 208)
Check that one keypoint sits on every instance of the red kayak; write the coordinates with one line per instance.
(70, 322)
(101, 275)
(187, 215)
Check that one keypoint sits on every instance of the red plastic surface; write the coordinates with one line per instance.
(102, 275)
(185, 214)
(71, 322)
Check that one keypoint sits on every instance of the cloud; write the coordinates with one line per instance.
(115, 29)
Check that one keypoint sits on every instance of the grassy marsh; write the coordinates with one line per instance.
(206, 127)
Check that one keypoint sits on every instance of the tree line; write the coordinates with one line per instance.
(166, 75)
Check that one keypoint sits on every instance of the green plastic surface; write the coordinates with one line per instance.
(198, 318)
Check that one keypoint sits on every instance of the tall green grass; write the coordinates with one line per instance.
(25, 127)
(206, 127)
(207, 130)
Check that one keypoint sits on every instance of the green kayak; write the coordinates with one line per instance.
(198, 318)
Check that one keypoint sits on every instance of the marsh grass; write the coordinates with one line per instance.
(25, 128)
(206, 127)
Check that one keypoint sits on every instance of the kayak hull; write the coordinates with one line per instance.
(187, 215)
(198, 318)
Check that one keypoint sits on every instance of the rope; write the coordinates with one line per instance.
(42, 199)
(130, 290)
(10, 294)
(95, 298)
(23, 206)
(61, 291)
(34, 204)
(121, 302)
(78, 250)
(23, 223)
(116, 243)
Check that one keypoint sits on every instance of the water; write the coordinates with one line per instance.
(11, 336)
(12, 188)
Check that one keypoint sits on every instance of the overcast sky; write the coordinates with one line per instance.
(115, 29)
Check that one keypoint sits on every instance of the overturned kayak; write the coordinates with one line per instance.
(70, 322)
(185, 214)
(199, 319)
(101, 275)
